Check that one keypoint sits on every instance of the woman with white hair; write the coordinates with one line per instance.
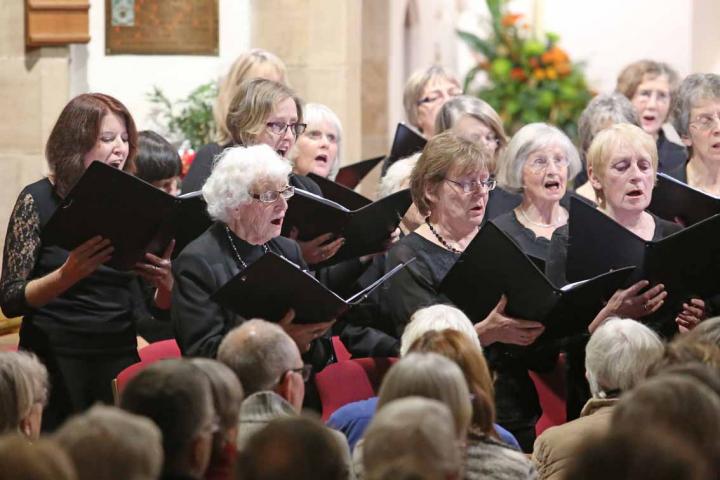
(538, 163)
(618, 357)
(317, 150)
(247, 196)
(23, 393)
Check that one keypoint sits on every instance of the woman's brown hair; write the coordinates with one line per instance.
(76, 132)
(455, 346)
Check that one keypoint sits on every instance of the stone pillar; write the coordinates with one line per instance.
(320, 42)
(35, 88)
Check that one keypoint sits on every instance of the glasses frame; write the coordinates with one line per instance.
(714, 120)
(537, 169)
(467, 187)
(279, 128)
(285, 193)
(435, 97)
(305, 371)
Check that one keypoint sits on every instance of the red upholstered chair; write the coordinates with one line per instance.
(341, 352)
(119, 382)
(344, 382)
(160, 350)
(551, 392)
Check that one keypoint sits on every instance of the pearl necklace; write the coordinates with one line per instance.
(440, 238)
(538, 224)
(235, 250)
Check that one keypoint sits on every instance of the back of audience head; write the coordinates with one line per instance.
(619, 355)
(39, 460)
(433, 376)
(457, 347)
(108, 443)
(227, 394)
(412, 438)
(707, 331)
(602, 111)
(176, 396)
(436, 317)
(256, 63)
(654, 453)
(425, 92)
(292, 447)
(264, 358)
(705, 374)
(684, 350)
(158, 162)
(678, 403)
(473, 119)
(23, 393)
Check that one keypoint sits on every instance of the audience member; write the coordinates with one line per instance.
(298, 448)
(227, 396)
(176, 396)
(412, 437)
(618, 356)
(40, 460)
(110, 444)
(23, 393)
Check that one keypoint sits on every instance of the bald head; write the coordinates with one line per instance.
(259, 352)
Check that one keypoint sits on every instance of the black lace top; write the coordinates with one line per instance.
(93, 316)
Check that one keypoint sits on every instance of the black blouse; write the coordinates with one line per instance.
(532, 245)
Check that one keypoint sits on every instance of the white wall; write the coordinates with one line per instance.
(608, 34)
(131, 77)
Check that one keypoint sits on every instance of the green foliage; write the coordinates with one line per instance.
(529, 79)
(190, 118)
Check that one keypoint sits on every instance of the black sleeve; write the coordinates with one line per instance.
(556, 263)
(201, 167)
(22, 248)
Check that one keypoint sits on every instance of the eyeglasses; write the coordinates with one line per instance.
(305, 371)
(433, 97)
(475, 185)
(706, 121)
(272, 195)
(279, 128)
(540, 164)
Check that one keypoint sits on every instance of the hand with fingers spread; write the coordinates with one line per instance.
(158, 271)
(317, 250)
(497, 327)
(303, 334)
(85, 259)
(693, 312)
(630, 303)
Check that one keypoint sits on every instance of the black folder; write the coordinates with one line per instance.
(338, 193)
(406, 142)
(674, 200)
(136, 216)
(686, 262)
(351, 175)
(365, 230)
(272, 285)
(493, 265)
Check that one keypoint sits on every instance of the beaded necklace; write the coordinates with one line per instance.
(440, 238)
(235, 250)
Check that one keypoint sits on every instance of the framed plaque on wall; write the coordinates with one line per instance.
(161, 27)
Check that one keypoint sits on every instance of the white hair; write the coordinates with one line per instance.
(619, 354)
(235, 173)
(313, 114)
(436, 318)
(528, 139)
(397, 176)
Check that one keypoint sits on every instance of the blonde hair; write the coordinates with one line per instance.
(252, 106)
(416, 84)
(252, 64)
(443, 154)
(464, 105)
(23, 383)
(610, 140)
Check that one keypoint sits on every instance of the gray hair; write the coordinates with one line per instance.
(604, 110)
(235, 173)
(437, 318)
(464, 105)
(416, 84)
(397, 176)
(619, 354)
(108, 443)
(259, 353)
(707, 331)
(226, 390)
(313, 114)
(430, 375)
(23, 383)
(422, 439)
(694, 89)
(528, 139)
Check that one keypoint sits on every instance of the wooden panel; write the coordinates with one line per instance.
(56, 22)
(164, 27)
